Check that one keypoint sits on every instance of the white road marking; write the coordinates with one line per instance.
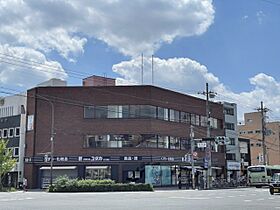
(271, 198)
(218, 197)
(247, 200)
(231, 196)
(190, 198)
(260, 199)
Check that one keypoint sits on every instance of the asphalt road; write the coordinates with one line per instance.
(245, 198)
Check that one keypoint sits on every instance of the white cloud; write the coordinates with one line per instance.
(260, 16)
(131, 27)
(245, 17)
(24, 67)
(189, 76)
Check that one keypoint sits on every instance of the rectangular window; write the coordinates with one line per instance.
(193, 119)
(150, 140)
(197, 120)
(17, 131)
(172, 115)
(125, 111)
(163, 142)
(134, 111)
(101, 112)
(203, 121)
(5, 133)
(147, 111)
(229, 111)
(232, 141)
(113, 111)
(166, 114)
(185, 117)
(16, 152)
(230, 156)
(174, 142)
(160, 113)
(11, 133)
(89, 112)
(229, 126)
(213, 123)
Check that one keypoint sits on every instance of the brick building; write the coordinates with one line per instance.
(125, 133)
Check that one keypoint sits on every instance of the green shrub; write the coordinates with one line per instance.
(64, 184)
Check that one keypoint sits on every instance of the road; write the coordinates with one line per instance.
(243, 198)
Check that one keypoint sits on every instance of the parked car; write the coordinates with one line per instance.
(274, 186)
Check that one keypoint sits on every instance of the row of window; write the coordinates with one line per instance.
(9, 132)
(6, 111)
(257, 144)
(251, 132)
(141, 140)
(148, 111)
(228, 111)
(15, 151)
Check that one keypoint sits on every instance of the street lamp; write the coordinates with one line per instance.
(52, 134)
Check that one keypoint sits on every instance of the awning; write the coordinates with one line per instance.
(58, 168)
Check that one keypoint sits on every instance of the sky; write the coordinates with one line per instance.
(231, 44)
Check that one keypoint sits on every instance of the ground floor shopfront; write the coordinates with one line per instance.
(156, 170)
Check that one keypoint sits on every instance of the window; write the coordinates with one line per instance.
(229, 111)
(197, 120)
(11, 133)
(229, 126)
(258, 131)
(163, 142)
(230, 156)
(213, 123)
(147, 111)
(160, 113)
(113, 112)
(185, 117)
(125, 111)
(193, 119)
(98, 172)
(232, 141)
(258, 144)
(5, 133)
(174, 115)
(17, 131)
(166, 114)
(101, 112)
(0, 133)
(89, 112)
(251, 144)
(203, 121)
(174, 143)
(250, 132)
(15, 152)
(150, 140)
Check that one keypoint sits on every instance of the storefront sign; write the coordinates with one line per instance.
(233, 166)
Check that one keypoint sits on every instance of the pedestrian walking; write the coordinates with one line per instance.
(24, 184)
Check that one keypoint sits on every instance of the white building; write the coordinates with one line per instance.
(12, 128)
(232, 146)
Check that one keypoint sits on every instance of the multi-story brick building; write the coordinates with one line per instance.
(126, 133)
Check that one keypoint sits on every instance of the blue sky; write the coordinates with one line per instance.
(232, 45)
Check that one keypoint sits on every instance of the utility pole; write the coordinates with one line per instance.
(192, 157)
(208, 94)
(263, 111)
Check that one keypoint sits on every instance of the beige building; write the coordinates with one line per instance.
(252, 129)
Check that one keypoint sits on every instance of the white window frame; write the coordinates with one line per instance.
(15, 132)
(11, 136)
(5, 136)
(0, 133)
(14, 153)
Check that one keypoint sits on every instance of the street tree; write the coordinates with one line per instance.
(7, 162)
